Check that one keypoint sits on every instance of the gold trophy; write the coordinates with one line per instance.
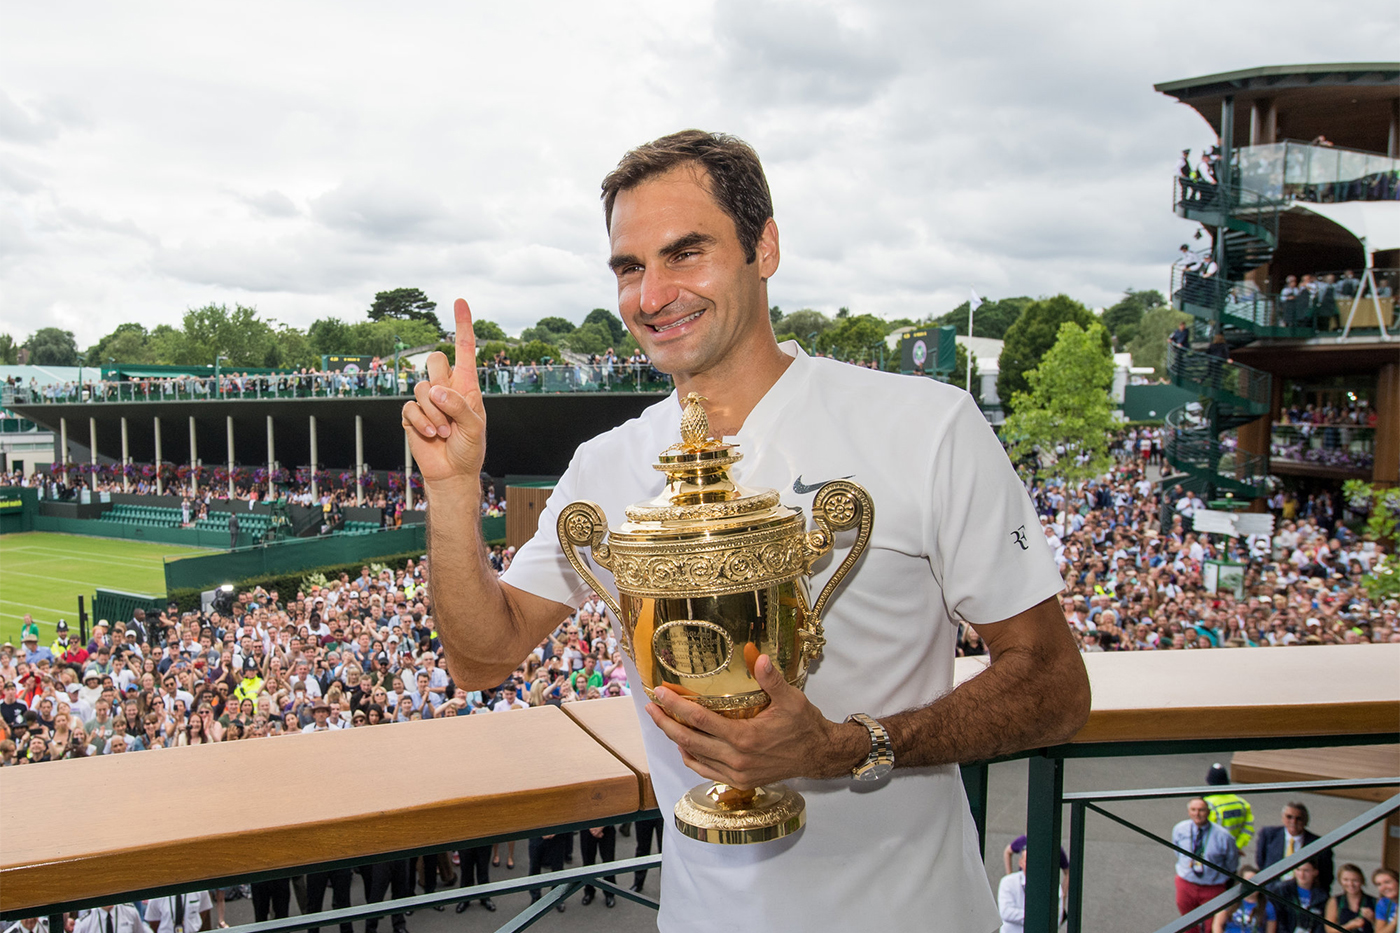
(710, 576)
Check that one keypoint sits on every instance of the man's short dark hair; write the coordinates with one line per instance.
(736, 178)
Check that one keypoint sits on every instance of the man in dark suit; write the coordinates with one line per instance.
(1277, 842)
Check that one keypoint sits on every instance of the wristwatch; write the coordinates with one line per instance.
(880, 761)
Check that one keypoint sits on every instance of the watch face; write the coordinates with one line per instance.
(874, 772)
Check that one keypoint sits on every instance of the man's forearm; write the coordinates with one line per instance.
(479, 631)
(1024, 699)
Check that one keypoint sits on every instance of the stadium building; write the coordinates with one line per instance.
(1303, 219)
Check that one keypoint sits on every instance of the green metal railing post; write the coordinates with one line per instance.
(1074, 903)
(1044, 800)
(974, 778)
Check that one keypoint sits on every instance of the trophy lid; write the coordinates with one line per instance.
(698, 485)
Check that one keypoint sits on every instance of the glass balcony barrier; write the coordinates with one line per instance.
(491, 380)
(1298, 171)
(1343, 446)
(1314, 304)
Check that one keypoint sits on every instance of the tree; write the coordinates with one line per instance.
(855, 338)
(9, 350)
(803, 324)
(406, 304)
(368, 338)
(1066, 412)
(1381, 505)
(590, 339)
(1123, 318)
(775, 314)
(487, 330)
(50, 346)
(537, 351)
(611, 321)
(486, 352)
(292, 350)
(1031, 337)
(240, 336)
(1149, 345)
(548, 330)
(330, 336)
(128, 344)
(163, 342)
(992, 320)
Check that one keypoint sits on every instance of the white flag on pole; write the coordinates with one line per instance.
(976, 302)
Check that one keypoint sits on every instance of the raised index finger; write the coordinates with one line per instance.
(464, 373)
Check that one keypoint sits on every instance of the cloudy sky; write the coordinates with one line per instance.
(301, 156)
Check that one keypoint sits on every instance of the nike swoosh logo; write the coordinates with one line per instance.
(802, 488)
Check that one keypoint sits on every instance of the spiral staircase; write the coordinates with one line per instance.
(1201, 436)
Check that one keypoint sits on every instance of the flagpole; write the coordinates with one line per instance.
(972, 306)
(970, 311)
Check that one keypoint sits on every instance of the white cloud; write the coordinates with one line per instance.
(301, 157)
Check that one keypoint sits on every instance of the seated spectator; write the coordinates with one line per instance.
(1302, 899)
(1251, 914)
(1353, 908)
(1387, 894)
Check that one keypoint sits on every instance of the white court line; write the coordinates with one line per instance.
(115, 561)
(11, 602)
(69, 581)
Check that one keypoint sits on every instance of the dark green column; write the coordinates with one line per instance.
(1044, 798)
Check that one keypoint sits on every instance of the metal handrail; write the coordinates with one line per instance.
(1241, 305)
(1250, 386)
(1192, 195)
(1190, 445)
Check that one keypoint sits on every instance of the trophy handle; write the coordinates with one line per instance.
(583, 524)
(839, 506)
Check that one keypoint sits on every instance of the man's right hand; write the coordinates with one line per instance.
(446, 422)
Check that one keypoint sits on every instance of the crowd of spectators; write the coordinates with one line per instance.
(198, 495)
(356, 653)
(590, 373)
(1134, 567)
(1219, 833)
(596, 372)
(1351, 411)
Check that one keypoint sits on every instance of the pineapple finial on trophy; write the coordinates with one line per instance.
(695, 424)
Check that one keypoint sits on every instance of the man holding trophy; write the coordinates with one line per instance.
(826, 730)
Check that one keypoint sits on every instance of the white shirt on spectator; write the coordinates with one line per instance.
(161, 912)
(313, 689)
(41, 925)
(125, 919)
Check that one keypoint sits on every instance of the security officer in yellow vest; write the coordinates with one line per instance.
(1230, 812)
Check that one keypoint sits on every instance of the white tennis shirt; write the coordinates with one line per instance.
(955, 538)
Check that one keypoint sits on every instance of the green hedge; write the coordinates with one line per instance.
(286, 584)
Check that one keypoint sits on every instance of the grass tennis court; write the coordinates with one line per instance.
(43, 574)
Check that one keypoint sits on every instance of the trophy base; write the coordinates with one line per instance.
(728, 816)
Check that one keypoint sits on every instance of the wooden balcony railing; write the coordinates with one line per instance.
(279, 806)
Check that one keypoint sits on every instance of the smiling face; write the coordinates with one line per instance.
(684, 289)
